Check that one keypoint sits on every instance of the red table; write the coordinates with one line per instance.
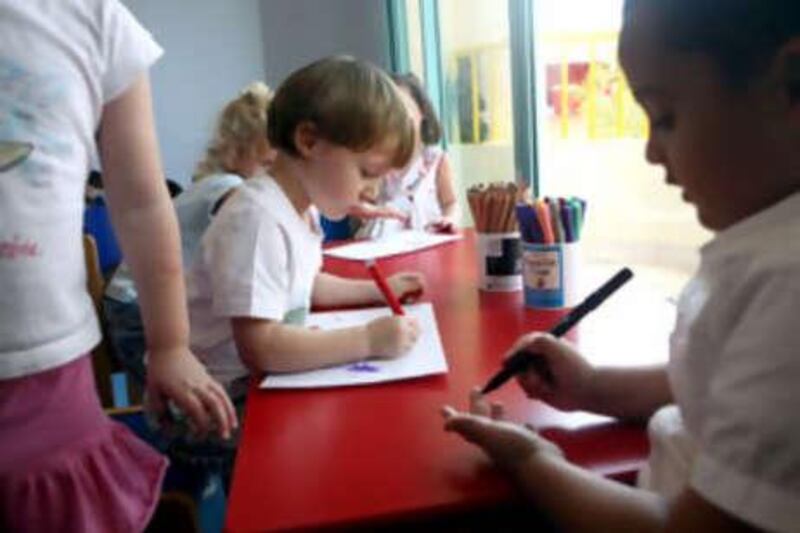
(375, 454)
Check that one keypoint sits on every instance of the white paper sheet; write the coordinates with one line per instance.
(396, 243)
(426, 358)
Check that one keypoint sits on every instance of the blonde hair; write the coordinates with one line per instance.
(241, 124)
(350, 102)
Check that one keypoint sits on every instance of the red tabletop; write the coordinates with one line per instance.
(359, 455)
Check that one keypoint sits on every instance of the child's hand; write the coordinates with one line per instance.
(509, 445)
(407, 286)
(442, 225)
(178, 376)
(571, 374)
(392, 336)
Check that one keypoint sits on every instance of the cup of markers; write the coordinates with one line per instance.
(551, 231)
(498, 239)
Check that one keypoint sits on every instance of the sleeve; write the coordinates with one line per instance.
(748, 461)
(127, 48)
(248, 265)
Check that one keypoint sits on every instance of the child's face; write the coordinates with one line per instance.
(715, 143)
(336, 176)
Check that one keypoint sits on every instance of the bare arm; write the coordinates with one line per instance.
(581, 501)
(334, 291)
(145, 222)
(575, 499)
(269, 346)
(631, 393)
(446, 189)
(634, 393)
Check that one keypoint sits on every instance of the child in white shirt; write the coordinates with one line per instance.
(720, 81)
(337, 124)
(238, 150)
(73, 79)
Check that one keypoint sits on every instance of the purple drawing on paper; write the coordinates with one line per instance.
(363, 367)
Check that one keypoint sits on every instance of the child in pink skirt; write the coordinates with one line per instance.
(70, 73)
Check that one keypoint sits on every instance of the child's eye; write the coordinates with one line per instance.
(367, 174)
(664, 122)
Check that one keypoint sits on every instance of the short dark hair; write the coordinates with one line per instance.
(350, 102)
(430, 128)
(741, 36)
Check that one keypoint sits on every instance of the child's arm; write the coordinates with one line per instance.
(446, 194)
(144, 220)
(269, 346)
(575, 499)
(335, 291)
(622, 392)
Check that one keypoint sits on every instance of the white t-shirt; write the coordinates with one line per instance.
(258, 259)
(60, 62)
(194, 211)
(735, 374)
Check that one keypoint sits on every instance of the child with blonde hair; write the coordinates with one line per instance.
(337, 124)
(73, 78)
(720, 82)
(237, 151)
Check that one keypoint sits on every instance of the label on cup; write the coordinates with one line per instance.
(550, 274)
(499, 261)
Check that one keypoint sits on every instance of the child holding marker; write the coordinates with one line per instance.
(720, 81)
(337, 124)
(424, 190)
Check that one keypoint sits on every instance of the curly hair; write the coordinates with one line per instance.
(241, 124)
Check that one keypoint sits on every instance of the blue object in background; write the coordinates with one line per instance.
(97, 223)
(335, 230)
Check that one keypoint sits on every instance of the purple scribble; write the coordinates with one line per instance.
(363, 367)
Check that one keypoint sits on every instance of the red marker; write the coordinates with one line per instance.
(380, 281)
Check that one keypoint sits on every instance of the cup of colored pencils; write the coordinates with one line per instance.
(551, 231)
(497, 233)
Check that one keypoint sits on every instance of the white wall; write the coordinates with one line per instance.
(296, 32)
(212, 49)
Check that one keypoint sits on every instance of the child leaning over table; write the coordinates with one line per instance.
(238, 150)
(423, 192)
(720, 81)
(337, 124)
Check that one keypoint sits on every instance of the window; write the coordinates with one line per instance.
(591, 138)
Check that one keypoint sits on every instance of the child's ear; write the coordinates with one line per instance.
(305, 138)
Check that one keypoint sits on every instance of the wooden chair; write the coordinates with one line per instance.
(101, 355)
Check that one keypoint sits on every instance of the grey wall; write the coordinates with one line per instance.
(297, 32)
(212, 48)
(215, 47)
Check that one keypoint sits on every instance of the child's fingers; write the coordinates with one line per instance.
(215, 410)
(191, 405)
(534, 385)
(222, 409)
(478, 404)
(496, 411)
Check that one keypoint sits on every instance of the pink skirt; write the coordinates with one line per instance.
(66, 466)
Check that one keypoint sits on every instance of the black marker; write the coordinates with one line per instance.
(523, 359)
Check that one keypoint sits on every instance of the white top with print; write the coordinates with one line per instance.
(60, 63)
